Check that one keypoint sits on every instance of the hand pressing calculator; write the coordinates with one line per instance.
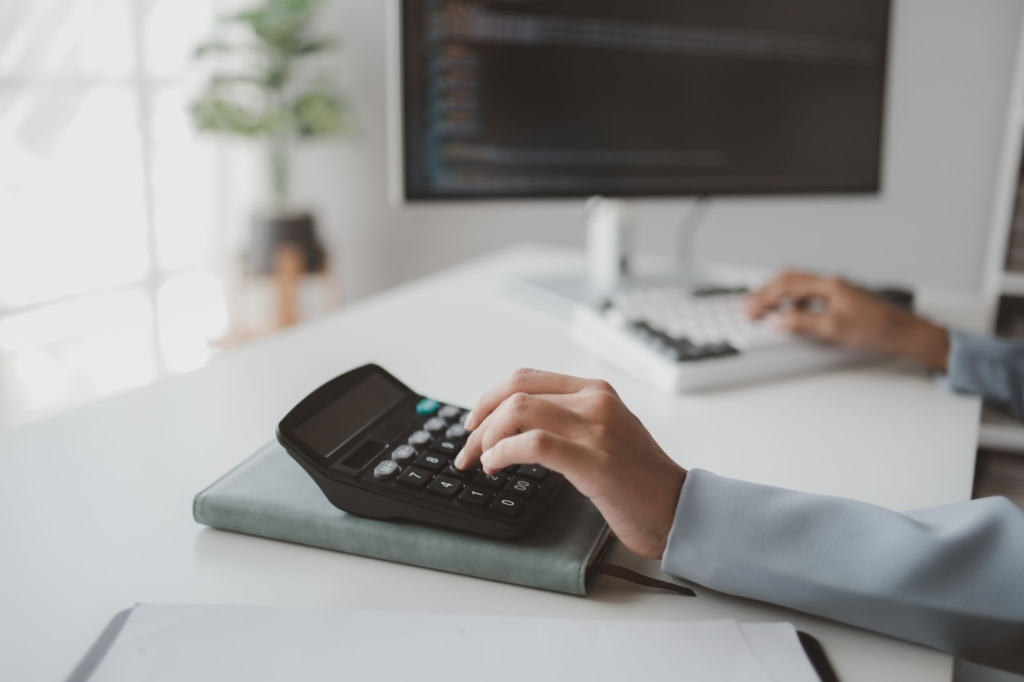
(378, 449)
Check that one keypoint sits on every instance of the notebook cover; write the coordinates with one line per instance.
(269, 495)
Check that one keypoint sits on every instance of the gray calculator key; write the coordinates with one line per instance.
(403, 454)
(456, 432)
(386, 469)
(449, 413)
(435, 425)
(420, 439)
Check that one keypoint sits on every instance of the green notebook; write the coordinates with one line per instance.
(271, 496)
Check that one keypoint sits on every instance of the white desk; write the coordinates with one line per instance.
(95, 505)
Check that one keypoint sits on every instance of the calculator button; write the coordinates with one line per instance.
(462, 419)
(431, 461)
(524, 487)
(449, 413)
(420, 439)
(490, 480)
(435, 425)
(447, 447)
(475, 495)
(417, 478)
(507, 505)
(450, 470)
(385, 470)
(404, 454)
(445, 486)
(456, 432)
(427, 406)
(533, 471)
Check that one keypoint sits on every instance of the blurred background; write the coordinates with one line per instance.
(127, 231)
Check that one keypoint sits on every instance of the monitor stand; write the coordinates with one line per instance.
(610, 264)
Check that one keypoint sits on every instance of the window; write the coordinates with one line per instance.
(111, 259)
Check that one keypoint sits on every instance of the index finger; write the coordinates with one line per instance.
(793, 285)
(522, 381)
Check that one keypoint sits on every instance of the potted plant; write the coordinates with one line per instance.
(262, 95)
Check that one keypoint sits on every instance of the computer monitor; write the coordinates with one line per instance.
(656, 98)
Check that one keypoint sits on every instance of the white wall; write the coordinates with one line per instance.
(950, 68)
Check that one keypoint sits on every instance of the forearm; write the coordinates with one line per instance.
(948, 577)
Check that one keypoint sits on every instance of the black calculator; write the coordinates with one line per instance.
(378, 449)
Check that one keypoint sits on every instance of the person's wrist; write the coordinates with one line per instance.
(667, 517)
(926, 343)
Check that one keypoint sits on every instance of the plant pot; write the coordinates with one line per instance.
(270, 233)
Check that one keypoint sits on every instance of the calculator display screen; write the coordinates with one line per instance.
(346, 415)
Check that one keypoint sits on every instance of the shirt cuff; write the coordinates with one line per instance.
(980, 365)
(694, 526)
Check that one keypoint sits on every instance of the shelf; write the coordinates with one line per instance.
(1012, 284)
(1001, 432)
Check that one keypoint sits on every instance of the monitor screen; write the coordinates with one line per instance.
(567, 98)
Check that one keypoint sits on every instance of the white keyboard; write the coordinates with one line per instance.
(683, 340)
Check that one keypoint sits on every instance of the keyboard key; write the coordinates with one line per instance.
(427, 406)
(386, 470)
(432, 462)
(507, 505)
(417, 478)
(435, 426)
(523, 487)
(720, 350)
(456, 432)
(404, 454)
(475, 495)
(450, 470)
(420, 440)
(533, 471)
(491, 480)
(445, 486)
(449, 413)
(446, 447)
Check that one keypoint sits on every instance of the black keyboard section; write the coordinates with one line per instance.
(682, 349)
(419, 463)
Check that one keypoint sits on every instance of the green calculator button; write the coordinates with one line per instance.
(427, 406)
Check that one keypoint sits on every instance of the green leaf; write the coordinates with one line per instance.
(215, 113)
(319, 113)
(313, 46)
(212, 46)
(280, 24)
(221, 79)
(251, 102)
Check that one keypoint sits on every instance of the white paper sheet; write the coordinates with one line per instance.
(200, 643)
(773, 644)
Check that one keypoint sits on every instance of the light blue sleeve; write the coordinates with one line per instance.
(989, 367)
(950, 577)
